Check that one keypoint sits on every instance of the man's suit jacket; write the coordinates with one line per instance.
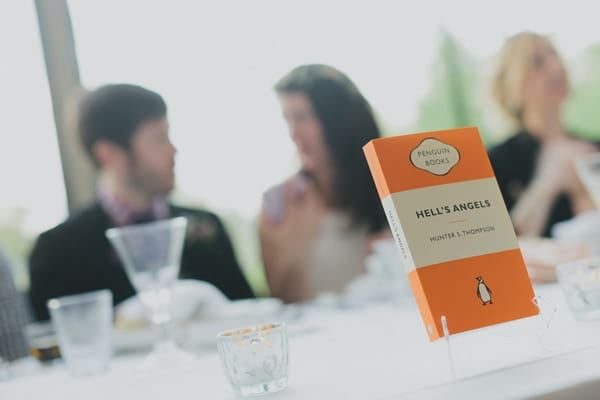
(76, 257)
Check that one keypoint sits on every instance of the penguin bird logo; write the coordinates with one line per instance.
(483, 291)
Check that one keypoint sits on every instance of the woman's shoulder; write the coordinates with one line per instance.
(519, 150)
(297, 181)
(278, 198)
(520, 140)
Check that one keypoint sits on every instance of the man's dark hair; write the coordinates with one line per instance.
(348, 124)
(114, 112)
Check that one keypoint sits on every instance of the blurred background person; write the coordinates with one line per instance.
(535, 166)
(317, 226)
(126, 132)
(13, 316)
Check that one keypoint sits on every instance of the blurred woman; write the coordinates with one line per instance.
(535, 167)
(317, 226)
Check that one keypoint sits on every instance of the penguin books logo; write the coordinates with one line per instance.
(434, 156)
(483, 292)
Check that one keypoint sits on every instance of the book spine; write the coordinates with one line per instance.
(398, 233)
(432, 326)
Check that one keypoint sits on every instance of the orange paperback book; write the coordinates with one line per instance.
(455, 236)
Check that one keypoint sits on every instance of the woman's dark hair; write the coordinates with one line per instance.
(114, 113)
(348, 124)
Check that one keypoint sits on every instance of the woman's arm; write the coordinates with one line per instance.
(541, 256)
(530, 213)
(555, 174)
(274, 258)
(286, 241)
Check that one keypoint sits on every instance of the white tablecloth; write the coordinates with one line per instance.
(378, 351)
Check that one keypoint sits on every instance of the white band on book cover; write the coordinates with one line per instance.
(449, 222)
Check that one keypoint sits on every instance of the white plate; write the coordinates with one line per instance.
(201, 333)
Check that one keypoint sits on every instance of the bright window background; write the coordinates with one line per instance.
(33, 196)
(215, 62)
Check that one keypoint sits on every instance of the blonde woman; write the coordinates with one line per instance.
(535, 167)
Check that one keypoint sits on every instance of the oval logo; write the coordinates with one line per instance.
(433, 155)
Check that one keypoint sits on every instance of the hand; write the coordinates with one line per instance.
(556, 165)
(543, 255)
(287, 241)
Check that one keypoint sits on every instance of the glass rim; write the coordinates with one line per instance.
(117, 231)
(36, 327)
(250, 330)
(80, 298)
(578, 263)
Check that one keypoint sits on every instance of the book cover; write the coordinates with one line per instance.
(453, 230)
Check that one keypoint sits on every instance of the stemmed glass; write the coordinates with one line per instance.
(151, 254)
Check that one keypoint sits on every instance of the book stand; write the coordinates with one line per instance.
(502, 345)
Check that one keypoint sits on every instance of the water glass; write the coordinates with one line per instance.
(580, 283)
(83, 323)
(255, 359)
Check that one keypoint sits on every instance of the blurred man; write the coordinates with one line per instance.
(126, 132)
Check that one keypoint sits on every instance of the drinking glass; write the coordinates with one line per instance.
(83, 323)
(42, 341)
(255, 359)
(151, 254)
(580, 282)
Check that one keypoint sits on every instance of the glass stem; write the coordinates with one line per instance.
(161, 320)
(164, 335)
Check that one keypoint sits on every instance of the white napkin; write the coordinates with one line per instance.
(385, 277)
(385, 261)
(200, 311)
(584, 228)
(190, 299)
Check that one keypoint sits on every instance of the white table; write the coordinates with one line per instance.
(376, 352)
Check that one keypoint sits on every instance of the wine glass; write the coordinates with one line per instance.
(151, 253)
